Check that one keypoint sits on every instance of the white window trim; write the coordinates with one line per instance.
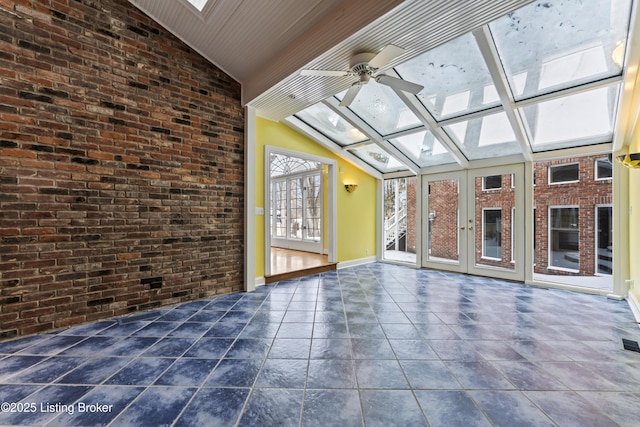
(595, 170)
(595, 237)
(562, 182)
(483, 256)
(549, 266)
(513, 235)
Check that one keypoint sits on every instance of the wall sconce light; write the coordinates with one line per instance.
(350, 187)
(631, 161)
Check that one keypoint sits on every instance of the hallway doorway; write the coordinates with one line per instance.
(300, 213)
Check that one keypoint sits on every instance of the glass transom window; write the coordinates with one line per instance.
(330, 124)
(455, 78)
(382, 109)
(555, 44)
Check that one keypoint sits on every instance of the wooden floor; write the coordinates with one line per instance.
(287, 264)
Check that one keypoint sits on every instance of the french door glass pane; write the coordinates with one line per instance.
(295, 208)
(400, 219)
(313, 208)
(280, 208)
(443, 220)
(493, 228)
(492, 233)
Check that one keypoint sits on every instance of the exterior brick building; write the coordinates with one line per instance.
(121, 167)
(578, 188)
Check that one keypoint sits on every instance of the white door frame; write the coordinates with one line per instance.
(466, 216)
(332, 207)
(302, 244)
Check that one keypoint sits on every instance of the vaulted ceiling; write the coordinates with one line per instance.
(511, 80)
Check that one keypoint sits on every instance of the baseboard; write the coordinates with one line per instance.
(634, 305)
(260, 281)
(356, 262)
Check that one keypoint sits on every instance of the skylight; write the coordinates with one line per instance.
(198, 4)
(516, 84)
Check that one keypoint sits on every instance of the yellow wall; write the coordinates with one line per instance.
(634, 218)
(634, 230)
(356, 223)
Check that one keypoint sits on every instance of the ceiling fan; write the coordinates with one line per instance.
(365, 66)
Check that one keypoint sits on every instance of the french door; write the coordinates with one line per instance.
(474, 221)
(297, 217)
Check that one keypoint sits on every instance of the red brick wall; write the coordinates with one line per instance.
(443, 201)
(586, 194)
(121, 166)
(503, 199)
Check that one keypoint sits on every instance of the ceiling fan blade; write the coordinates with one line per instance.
(326, 73)
(399, 84)
(386, 55)
(350, 95)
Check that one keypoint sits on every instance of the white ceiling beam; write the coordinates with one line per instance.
(371, 133)
(416, 107)
(629, 105)
(563, 93)
(489, 53)
(588, 150)
(303, 128)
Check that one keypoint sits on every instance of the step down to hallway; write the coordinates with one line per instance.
(300, 273)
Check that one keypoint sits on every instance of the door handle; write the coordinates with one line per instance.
(471, 227)
(462, 227)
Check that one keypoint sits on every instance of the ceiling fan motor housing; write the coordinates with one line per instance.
(360, 63)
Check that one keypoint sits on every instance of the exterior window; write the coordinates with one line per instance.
(492, 182)
(564, 173)
(604, 169)
(492, 233)
(564, 247)
(604, 239)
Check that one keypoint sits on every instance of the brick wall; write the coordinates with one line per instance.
(121, 166)
(443, 205)
(585, 194)
(504, 200)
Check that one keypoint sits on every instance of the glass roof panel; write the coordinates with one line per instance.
(330, 124)
(378, 158)
(455, 78)
(198, 4)
(423, 148)
(485, 136)
(552, 45)
(382, 109)
(575, 120)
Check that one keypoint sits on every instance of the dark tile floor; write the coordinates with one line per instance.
(376, 345)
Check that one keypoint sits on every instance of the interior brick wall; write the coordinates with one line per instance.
(121, 166)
